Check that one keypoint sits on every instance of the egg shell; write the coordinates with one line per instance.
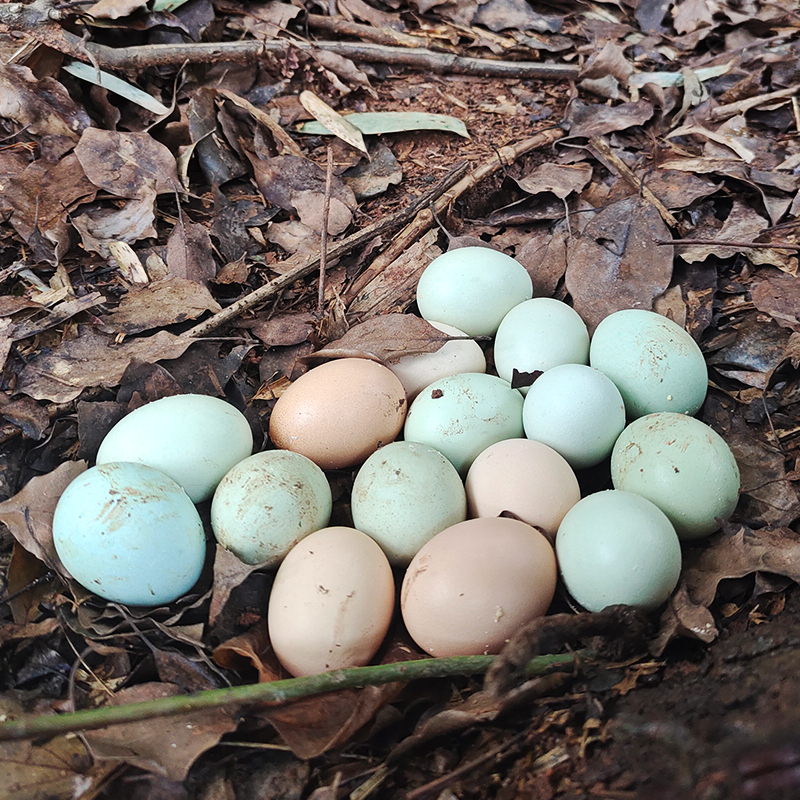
(340, 412)
(683, 466)
(655, 364)
(618, 548)
(130, 534)
(461, 415)
(267, 503)
(193, 438)
(403, 495)
(418, 371)
(472, 586)
(527, 478)
(539, 334)
(331, 602)
(577, 411)
(472, 288)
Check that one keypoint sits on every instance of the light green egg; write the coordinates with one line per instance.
(618, 548)
(462, 415)
(683, 466)
(655, 364)
(403, 495)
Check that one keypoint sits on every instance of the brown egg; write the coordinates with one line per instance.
(340, 412)
(471, 587)
(527, 478)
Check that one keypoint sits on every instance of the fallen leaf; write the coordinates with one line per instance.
(598, 120)
(337, 66)
(615, 264)
(29, 513)
(560, 179)
(779, 296)
(170, 746)
(293, 237)
(683, 618)
(373, 177)
(544, 256)
(332, 120)
(742, 224)
(92, 360)
(499, 15)
(250, 649)
(189, 252)
(378, 122)
(386, 338)
(229, 575)
(282, 329)
(161, 303)
(125, 164)
(31, 418)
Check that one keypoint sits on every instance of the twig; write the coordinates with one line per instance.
(159, 55)
(299, 267)
(739, 107)
(425, 220)
(726, 243)
(323, 241)
(35, 725)
(614, 163)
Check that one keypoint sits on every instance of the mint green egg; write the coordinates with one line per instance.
(683, 466)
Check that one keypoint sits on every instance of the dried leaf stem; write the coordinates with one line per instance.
(323, 242)
(424, 220)
(299, 266)
(45, 725)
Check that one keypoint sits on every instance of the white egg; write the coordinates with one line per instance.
(655, 364)
(461, 415)
(129, 534)
(577, 411)
(683, 466)
(267, 503)
(618, 548)
(539, 334)
(331, 602)
(193, 438)
(453, 357)
(472, 288)
(403, 495)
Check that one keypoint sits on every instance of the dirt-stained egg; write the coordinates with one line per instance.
(472, 586)
(331, 602)
(340, 412)
(527, 478)
(267, 503)
(193, 438)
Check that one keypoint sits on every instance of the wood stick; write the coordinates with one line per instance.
(739, 107)
(725, 243)
(425, 219)
(323, 241)
(299, 267)
(371, 33)
(36, 725)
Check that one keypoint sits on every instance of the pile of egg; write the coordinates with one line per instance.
(478, 506)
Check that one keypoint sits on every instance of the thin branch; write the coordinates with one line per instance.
(739, 107)
(36, 725)
(726, 243)
(425, 219)
(370, 33)
(298, 267)
(323, 242)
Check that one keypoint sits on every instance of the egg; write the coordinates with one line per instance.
(655, 364)
(267, 503)
(539, 334)
(683, 466)
(472, 288)
(331, 602)
(461, 415)
(453, 357)
(529, 479)
(403, 495)
(472, 586)
(193, 438)
(340, 412)
(616, 547)
(577, 411)
(130, 534)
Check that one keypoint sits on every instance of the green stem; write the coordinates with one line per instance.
(30, 726)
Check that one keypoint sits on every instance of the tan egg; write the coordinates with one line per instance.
(331, 602)
(339, 413)
(527, 478)
(472, 586)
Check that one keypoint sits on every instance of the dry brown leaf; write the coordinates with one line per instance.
(610, 61)
(160, 303)
(743, 224)
(338, 66)
(615, 263)
(123, 164)
(250, 649)
(779, 296)
(560, 179)
(229, 574)
(386, 338)
(282, 330)
(544, 255)
(169, 747)
(598, 120)
(29, 513)
(683, 618)
(30, 417)
(189, 252)
(92, 360)
(373, 177)
(332, 120)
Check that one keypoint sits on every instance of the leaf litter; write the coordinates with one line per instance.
(700, 113)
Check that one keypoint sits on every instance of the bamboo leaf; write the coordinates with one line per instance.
(376, 122)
